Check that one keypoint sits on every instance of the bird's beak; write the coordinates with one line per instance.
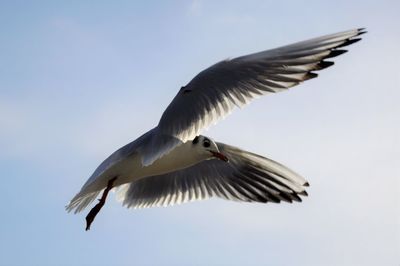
(220, 156)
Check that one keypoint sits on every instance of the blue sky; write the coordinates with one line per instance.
(78, 80)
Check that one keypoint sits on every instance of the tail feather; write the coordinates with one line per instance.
(80, 202)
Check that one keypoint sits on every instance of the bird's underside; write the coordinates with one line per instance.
(245, 177)
(203, 171)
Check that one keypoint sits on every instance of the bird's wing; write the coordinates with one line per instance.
(149, 147)
(214, 92)
(246, 177)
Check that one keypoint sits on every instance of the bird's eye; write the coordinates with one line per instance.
(206, 143)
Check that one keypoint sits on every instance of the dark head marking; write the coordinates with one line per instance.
(195, 140)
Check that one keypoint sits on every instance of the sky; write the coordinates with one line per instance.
(79, 79)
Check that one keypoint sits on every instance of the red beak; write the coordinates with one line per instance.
(220, 156)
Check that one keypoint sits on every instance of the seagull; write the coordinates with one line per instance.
(172, 163)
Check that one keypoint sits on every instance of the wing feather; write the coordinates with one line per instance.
(215, 92)
(247, 177)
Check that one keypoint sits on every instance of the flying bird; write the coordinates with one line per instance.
(172, 163)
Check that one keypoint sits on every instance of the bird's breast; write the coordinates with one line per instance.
(131, 169)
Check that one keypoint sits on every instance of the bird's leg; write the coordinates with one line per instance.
(95, 210)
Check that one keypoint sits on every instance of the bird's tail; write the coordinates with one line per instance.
(81, 201)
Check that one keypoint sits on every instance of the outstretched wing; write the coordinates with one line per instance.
(214, 92)
(246, 177)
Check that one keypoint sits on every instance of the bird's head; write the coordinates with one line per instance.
(208, 148)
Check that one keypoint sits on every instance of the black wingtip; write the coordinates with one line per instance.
(362, 31)
(303, 193)
(285, 197)
(324, 64)
(350, 41)
(296, 197)
(310, 75)
(306, 184)
(335, 53)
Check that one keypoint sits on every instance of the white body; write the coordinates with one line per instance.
(130, 169)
